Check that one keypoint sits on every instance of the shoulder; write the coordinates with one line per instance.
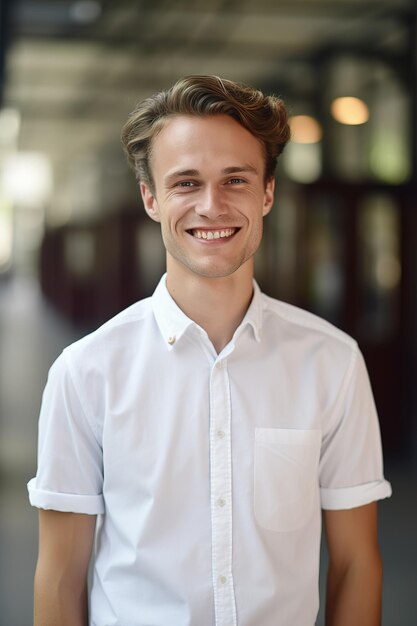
(114, 336)
(308, 332)
(303, 320)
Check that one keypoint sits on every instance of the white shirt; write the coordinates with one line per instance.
(208, 472)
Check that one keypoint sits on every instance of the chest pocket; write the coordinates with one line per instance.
(285, 477)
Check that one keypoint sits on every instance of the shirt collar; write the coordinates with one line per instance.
(253, 315)
(173, 322)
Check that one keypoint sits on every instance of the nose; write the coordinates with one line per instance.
(211, 204)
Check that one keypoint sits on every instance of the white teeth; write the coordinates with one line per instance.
(213, 234)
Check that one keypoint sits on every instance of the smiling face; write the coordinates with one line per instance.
(210, 194)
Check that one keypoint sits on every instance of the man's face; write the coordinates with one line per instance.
(210, 195)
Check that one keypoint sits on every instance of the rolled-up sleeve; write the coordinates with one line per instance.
(351, 466)
(70, 462)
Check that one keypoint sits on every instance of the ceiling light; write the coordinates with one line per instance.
(305, 129)
(351, 111)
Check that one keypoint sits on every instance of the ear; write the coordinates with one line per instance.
(150, 202)
(268, 196)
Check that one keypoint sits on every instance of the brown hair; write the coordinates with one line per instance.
(265, 117)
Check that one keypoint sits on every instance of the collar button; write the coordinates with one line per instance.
(171, 340)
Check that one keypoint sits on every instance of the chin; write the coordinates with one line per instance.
(215, 271)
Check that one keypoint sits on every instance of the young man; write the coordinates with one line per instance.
(205, 428)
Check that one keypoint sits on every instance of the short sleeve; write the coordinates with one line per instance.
(70, 467)
(351, 466)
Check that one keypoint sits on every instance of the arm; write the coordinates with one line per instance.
(354, 577)
(65, 542)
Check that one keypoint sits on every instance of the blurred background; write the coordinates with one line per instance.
(75, 247)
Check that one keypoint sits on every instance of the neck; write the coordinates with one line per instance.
(216, 304)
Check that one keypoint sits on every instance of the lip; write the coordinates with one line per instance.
(207, 229)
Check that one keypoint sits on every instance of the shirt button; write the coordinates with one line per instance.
(221, 502)
(171, 340)
(222, 580)
(220, 434)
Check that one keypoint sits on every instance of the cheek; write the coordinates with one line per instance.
(170, 223)
(176, 207)
(255, 201)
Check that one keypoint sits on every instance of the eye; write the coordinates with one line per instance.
(185, 183)
(235, 181)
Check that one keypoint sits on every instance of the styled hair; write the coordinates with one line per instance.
(265, 117)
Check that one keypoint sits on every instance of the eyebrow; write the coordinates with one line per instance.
(233, 169)
(180, 173)
(240, 168)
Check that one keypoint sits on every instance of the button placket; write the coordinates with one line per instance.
(221, 496)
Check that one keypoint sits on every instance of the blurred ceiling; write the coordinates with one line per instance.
(74, 69)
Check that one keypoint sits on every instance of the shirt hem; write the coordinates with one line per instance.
(351, 497)
(65, 502)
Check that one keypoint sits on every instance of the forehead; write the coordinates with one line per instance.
(204, 140)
